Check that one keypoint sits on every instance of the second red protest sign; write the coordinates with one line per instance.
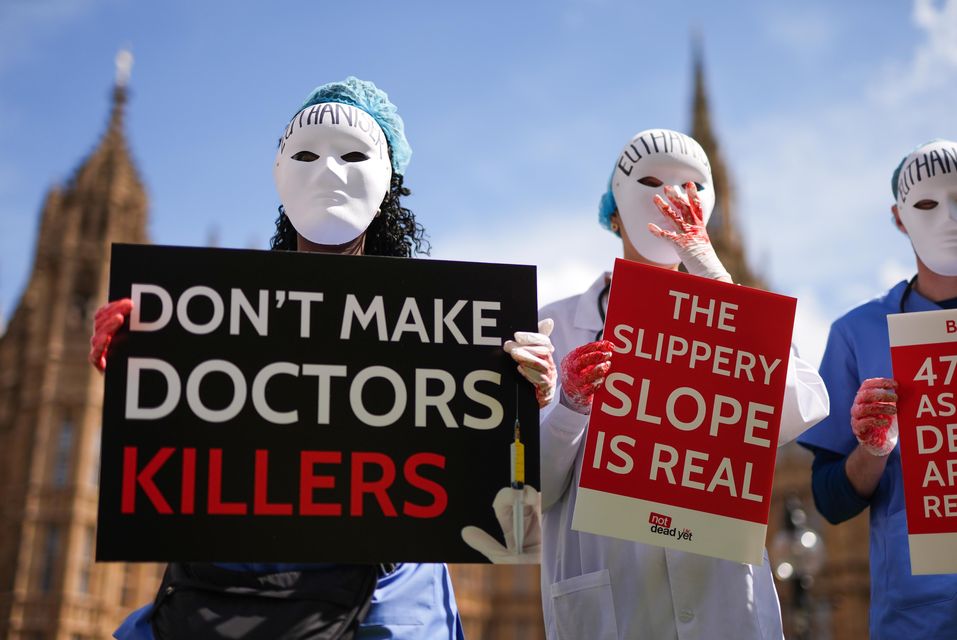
(682, 438)
(924, 353)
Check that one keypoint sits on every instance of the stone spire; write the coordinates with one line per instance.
(50, 398)
(109, 176)
(722, 226)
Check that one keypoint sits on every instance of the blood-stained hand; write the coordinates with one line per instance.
(533, 353)
(874, 415)
(583, 372)
(108, 320)
(690, 236)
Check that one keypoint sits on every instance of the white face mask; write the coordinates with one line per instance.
(332, 172)
(927, 204)
(653, 159)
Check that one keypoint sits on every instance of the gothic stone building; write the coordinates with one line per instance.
(50, 408)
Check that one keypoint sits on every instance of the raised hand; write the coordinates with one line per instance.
(690, 236)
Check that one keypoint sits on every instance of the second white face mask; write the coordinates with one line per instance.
(653, 159)
(332, 172)
(927, 204)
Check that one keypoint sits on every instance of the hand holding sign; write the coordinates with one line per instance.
(583, 372)
(874, 416)
(533, 353)
(503, 505)
(108, 320)
(691, 239)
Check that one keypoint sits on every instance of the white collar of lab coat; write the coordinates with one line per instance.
(586, 313)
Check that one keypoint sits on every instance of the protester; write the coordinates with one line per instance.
(339, 173)
(602, 588)
(857, 463)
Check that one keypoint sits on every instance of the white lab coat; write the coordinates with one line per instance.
(600, 588)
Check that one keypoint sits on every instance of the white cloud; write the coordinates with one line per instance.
(806, 31)
(930, 70)
(814, 184)
(940, 49)
(811, 326)
(569, 249)
(893, 271)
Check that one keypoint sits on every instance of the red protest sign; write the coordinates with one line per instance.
(682, 437)
(924, 355)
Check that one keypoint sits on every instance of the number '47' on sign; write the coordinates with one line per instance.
(927, 373)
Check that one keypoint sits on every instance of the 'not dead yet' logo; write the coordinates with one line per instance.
(661, 524)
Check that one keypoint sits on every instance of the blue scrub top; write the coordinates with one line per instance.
(902, 605)
(415, 601)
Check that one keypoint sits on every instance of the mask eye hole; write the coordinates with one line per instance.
(650, 181)
(305, 156)
(354, 156)
(925, 205)
(700, 187)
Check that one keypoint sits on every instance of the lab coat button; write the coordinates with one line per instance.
(686, 615)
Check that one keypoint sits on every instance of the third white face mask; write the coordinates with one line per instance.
(332, 172)
(927, 204)
(653, 159)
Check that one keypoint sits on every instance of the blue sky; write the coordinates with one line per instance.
(516, 112)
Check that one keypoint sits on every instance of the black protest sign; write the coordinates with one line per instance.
(266, 406)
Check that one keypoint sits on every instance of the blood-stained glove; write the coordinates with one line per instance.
(874, 415)
(108, 320)
(583, 372)
(533, 353)
(504, 505)
(691, 237)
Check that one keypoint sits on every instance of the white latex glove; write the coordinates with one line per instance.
(691, 237)
(533, 353)
(874, 416)
(503, 505)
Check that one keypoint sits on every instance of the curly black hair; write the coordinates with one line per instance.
(393, 232)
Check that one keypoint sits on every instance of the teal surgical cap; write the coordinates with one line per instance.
(364, 95)
(607, 206)
(900, 165)
(896, 176)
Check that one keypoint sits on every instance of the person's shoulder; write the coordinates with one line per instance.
(873, 310)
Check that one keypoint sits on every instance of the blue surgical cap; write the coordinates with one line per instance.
(364, 95)
(607, 206)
